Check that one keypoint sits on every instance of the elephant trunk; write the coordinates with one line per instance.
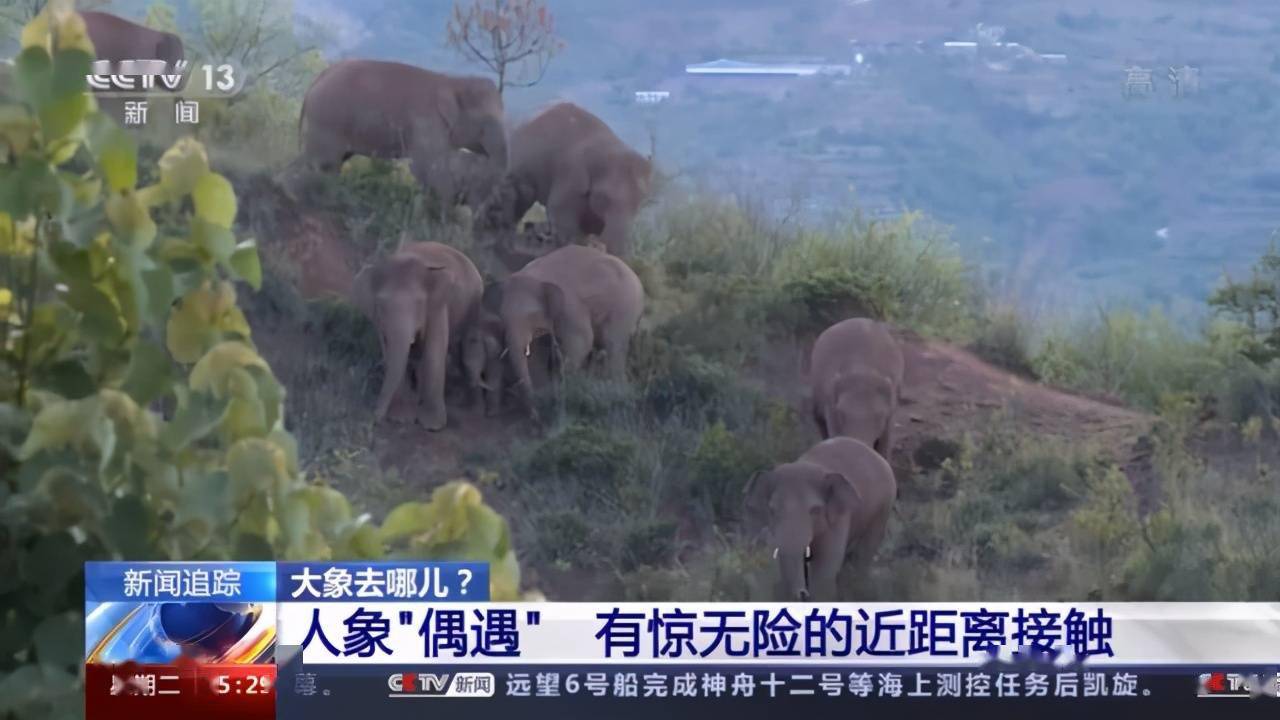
(397, 340)
(493, 139)
(791, 566)
(518, 342)
(791, 554)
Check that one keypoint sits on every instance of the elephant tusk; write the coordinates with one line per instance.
(504, 353)
(528, 350)
(775, 553)
(807, 553)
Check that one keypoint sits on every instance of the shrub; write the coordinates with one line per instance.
(565, 537)
(650, 543)
(905, 271)
(583, 453)
(1123, 354)
(720, 467)
(1003, 340)
(696, 390)
(1254, 304)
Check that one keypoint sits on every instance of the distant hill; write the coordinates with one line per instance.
(1070, 193)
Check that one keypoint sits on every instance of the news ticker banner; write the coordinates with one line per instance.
(200, 638)
(262, 639)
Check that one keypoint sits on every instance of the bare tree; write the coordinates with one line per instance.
(514, 39)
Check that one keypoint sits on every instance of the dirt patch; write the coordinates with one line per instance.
(314, 243)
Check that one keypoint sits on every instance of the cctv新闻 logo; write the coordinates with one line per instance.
(135, 75)
(465, 684)
(1229, 684)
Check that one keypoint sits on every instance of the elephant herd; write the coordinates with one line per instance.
(575, 304)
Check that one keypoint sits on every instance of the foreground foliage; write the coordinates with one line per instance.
(137, 419)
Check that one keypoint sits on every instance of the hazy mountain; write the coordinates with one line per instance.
(1043, 167)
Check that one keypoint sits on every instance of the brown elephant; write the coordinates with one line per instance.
(589, 181)
(117, 39)
(391, 110)
(583, 297)
(855, 380)
(830, 505)
(428, 293)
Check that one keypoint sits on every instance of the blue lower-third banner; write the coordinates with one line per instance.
(316, 692)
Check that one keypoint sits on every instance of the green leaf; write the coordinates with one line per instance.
(363, 542)
(201, 319)
(131, 219)
(251, 546)
(205, 505)
(150, 372)
(246, 265)
(33, 186)
(255, 466)
(33, 75)
(195, 419)
(53, 563)
(217, 243)
(56, 426)
(410, 518)
(15, 423)
(160, 294)
(102, 319)
(183, 166)
(117, 159)
(215, 200)
(128, 528)
(213, 373)
(15, 629)
(68, 378)
(59, 639)
(33, 691)
(70, 69)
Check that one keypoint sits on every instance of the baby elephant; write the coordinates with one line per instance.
(424, 293)
(584, 298)
(855, 376)
(832, 503)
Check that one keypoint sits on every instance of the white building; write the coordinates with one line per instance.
(651, 97)
(737, 67)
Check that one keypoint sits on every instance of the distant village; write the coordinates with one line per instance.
(989, 45)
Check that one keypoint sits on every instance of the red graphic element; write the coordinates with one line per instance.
(1217, 682)
(409, 682)
(131, 691)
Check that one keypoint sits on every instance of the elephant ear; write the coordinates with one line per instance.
(840, 496)
(362, 290)
(170, 49)
(557, 305)
(756, 494)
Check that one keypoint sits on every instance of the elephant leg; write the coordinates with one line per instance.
(404, 405)
(431, 376)
(617, 340)
(540, 359)
(574, 349)
(824, 568)
(565, 205)
(884, 443)
(616, 235)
